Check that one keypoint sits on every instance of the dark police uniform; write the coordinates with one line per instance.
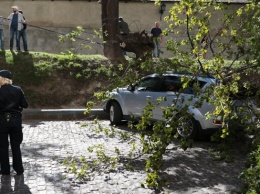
(12, 102)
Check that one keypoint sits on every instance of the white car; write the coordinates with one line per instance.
(124, 103)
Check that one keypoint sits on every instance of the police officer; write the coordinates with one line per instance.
(12, 102)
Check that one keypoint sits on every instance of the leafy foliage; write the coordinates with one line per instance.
(230, 54)
(251, 175)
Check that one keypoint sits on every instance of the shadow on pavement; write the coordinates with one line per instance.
(182, 170)
(196, 167)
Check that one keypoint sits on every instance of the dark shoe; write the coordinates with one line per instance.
(4, 173)
(19, 173)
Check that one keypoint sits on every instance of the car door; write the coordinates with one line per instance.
(175, 94)
(170, 91)
(145, 90)
(151, 89)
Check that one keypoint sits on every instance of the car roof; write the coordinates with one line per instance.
(207, 78)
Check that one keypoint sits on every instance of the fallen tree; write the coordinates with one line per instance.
(140, 43)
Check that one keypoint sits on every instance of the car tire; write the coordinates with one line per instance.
(188, 127)
(115, 114)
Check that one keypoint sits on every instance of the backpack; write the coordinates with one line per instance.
(24, 26)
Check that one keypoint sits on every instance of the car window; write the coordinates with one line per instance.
(150, 84)
(174, 83)
(171, 83)
(194, 85)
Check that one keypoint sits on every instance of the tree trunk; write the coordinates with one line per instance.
(112, 50)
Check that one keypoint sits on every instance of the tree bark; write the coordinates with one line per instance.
(112, 50)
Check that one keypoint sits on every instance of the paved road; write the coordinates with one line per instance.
(47, 143)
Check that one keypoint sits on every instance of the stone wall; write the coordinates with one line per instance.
(47, 20)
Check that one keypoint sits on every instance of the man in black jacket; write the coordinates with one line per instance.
(123, 26)
(12, 102)
(123, 29)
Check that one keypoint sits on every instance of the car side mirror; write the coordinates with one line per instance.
(131, 88)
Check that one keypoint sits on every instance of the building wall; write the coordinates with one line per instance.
(47, 20)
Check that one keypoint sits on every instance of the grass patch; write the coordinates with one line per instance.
(55, 80)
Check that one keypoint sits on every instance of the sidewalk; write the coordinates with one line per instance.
(63, 114)
(47, 143)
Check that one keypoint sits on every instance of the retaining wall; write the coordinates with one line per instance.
(47, 20)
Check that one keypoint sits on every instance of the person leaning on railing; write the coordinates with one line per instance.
(15, 25)
(22, 34)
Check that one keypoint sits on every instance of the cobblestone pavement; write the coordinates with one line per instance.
(46, 144)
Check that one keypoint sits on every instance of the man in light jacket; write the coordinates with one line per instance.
(16, 25)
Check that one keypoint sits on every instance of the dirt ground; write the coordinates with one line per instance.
(62, 92)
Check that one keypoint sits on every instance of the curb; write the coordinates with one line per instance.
(63, 114)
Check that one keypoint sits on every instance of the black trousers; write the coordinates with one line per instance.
(13, 130)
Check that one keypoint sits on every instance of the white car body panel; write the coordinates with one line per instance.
(133, 102)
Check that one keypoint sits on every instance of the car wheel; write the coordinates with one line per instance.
(187, 127)
(115, 113)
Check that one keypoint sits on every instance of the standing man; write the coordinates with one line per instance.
(23, 34)
(2, 21)
(16, 24)
(123, 29)
(123, 26)
(12, 102)
(204, 45)
(157, 39)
